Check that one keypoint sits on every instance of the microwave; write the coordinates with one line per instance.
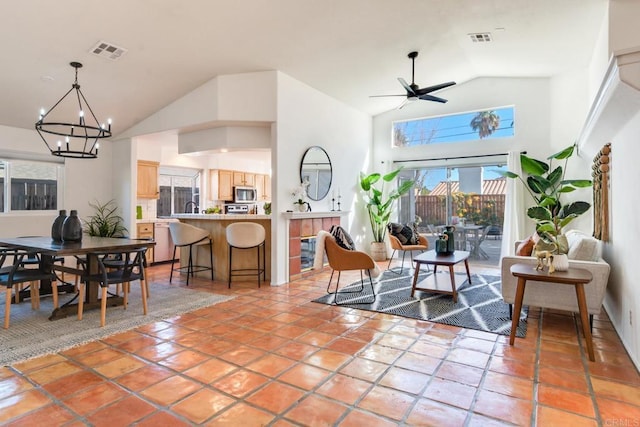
(245, 195)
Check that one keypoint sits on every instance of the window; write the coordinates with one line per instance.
(178, 186)
(471, 126)
(29, 185)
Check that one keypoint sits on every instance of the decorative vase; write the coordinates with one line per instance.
(378, 251)
(561, 262)
(302, 207)
(441, 244)
(451, 245)
(56, 228)
(72, 228)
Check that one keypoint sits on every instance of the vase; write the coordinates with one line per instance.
(72, 228)
(56, 228)
(441, 244)
(378, 251)
(451, 245)
(561, 262)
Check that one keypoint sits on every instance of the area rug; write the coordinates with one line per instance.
(31, 334)
(480, 305)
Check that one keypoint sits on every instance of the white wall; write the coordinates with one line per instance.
(307, 117)
(86, 181)
(531, 99)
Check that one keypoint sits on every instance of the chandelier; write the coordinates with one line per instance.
(77, 139)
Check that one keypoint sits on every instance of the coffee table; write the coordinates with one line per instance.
(577, 277)
(436, 282)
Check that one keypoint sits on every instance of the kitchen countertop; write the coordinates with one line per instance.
(154, 220)
(222, 217)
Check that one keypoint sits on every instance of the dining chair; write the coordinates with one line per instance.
(129, 268)
(16, 274)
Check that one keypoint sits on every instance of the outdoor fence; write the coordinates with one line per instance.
(480, 209)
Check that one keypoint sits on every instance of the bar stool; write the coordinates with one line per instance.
(187, 235)
(246, 235)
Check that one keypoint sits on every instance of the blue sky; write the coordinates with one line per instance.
(435, 176)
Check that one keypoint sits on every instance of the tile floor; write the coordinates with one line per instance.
(272, 357)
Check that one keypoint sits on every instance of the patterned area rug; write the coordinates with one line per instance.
(480, 305)
(31, 334)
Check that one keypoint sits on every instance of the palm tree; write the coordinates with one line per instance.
(485, 123)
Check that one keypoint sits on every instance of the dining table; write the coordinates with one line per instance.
(89, 246)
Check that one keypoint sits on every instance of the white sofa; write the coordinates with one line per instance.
(584, 252)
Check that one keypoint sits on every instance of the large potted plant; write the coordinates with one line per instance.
(380, 207)
(546, 185)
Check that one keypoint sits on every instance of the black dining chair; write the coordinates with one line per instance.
(115, 268)
(15, 273)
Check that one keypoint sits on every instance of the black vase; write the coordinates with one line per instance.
(56, 228)
(451, 245)
(72, 228)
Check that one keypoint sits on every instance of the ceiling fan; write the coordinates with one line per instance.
(414, 92)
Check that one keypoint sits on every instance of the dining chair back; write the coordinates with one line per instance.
(16, 274)
(122, 267)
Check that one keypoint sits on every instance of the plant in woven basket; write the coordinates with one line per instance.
(105, 222)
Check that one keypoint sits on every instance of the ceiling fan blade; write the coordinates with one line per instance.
(434, 88)
(406, 86)
(379, 96)
(426, 97)
(405, 102)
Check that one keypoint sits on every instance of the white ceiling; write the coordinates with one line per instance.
(349, 49)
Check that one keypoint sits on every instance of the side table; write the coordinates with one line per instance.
(577, 277)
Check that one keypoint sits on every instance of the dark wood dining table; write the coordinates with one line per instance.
(89, 246)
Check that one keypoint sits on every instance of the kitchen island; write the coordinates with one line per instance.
(217, 225)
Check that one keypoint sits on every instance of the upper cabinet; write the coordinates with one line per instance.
(221, 184)
(245, 179)
(263, 186)
(148, 180)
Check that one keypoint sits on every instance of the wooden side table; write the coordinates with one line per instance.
(431, 283)
(577, 277)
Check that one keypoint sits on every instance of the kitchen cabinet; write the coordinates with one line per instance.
(145, 231)
(148, 180)
(263, 186)
(221, 184)
(245, 179)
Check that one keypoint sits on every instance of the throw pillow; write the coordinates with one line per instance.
(405, 234)
(525, 248)
(585, 248)
(342, 237)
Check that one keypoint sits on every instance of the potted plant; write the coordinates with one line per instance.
(546, 185)
(105, 222)
(380, 207)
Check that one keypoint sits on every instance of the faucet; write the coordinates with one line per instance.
(191, 202)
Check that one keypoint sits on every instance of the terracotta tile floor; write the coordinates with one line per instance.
(272, 357)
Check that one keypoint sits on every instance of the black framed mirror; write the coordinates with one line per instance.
(315, 169)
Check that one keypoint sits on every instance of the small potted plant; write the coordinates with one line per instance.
(380, 206)
(546, 185)
(300, 198)
(105, 222)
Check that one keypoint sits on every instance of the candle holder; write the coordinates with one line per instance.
(333, 204)
(339, 197)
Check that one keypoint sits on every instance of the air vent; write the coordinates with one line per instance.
(480, 37)
(108, 51)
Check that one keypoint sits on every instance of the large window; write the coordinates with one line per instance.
(178, 186)
(29, 185)
(471, 126)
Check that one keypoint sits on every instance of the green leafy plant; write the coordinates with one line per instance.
(546, 185)
(105, 222)
(380, 207)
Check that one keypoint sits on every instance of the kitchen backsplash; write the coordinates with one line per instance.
(149, 208)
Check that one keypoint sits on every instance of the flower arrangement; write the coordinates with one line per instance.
(299, 195)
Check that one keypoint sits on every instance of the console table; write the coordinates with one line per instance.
(577, 277)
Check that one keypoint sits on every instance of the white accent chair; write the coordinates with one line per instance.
(584, 252)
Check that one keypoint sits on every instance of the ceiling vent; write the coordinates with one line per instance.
(480, 37)
(108, 51)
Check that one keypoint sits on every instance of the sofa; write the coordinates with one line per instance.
(584, 252)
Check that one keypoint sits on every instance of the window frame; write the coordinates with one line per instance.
(8, 162)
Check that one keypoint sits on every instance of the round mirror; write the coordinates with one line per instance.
(315, 169)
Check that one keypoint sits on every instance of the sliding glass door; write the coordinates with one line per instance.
(468, 197)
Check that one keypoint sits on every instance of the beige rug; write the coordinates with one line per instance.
(31, 334)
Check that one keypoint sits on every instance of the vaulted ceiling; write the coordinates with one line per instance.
(349, 49)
